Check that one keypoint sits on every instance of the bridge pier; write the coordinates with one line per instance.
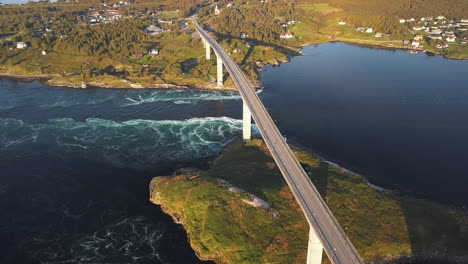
(219, 63)
(208, 50)
(246, 122)
(314, 248)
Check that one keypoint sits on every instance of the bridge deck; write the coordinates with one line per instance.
(337, 246)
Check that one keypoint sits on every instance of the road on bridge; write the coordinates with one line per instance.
(336, 244)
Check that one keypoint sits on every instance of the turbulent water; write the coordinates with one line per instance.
(75, 164)
(139, 144)
(75, 167)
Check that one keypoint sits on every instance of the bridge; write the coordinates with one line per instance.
(325, 232)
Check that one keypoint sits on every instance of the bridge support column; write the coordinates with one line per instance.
(220, 71)
(314, 249)
(247, 122)
(204, 42)
(208, 50)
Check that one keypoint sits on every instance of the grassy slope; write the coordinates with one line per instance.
(224, 228)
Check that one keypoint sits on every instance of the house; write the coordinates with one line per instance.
(451, 39)
(441, 17)
(153, 30)
(361, 29)
(369, 30)
(229, 5)
(423, 19)
(217, 11)
(418, 37)
(443, 45)
(341, 22)
(113, 12)
(402, 20)
(44, 52)
(21, 45)
(436, 31)
(287, 36)
(165, 22)
(283, 24)
(415, 43)
(411, 20)
(137, 56)
(378, 35)
(419, 28)
(435, 36)
(154, 52)
(244, 35)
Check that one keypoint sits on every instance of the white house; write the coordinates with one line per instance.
(440, 17)
(378, 35)
(217, 11)
(44, 52)
(369, 30)
(451, 39)
(418, 28)
(229, 5)
(415, 43)
(402, 20)
(154, 52)
(435, 36)
(411, 20)
(243, 35)
(341, 22)
(21, 45)
(153, 30)
(287, 36)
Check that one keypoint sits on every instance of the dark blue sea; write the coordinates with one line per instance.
(75, 164)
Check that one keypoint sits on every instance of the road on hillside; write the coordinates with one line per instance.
(337, 245)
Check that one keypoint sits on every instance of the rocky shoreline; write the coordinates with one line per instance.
(156, 199)
(50, 79)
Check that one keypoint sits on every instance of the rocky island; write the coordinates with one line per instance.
(241, 211)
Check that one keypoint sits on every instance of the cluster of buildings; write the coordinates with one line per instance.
(364, 29)
(152, 53)
(288, 35)
(107, 13)
(439, 28)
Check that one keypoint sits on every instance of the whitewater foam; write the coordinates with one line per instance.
(134, 143)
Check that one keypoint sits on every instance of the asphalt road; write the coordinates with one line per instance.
(337, 245)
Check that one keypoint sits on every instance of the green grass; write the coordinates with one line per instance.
(323, 8)
(224, 228)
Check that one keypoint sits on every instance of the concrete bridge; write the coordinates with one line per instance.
(325, 232)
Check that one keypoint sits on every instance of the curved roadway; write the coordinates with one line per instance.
(336, 244)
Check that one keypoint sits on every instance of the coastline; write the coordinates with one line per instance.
(54, 79)
(48, 79)
(178, 206)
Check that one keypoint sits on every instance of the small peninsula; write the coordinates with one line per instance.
(242, 211)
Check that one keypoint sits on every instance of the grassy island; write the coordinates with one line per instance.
(217, 208)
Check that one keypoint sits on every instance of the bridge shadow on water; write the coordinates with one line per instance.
(436, 233)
